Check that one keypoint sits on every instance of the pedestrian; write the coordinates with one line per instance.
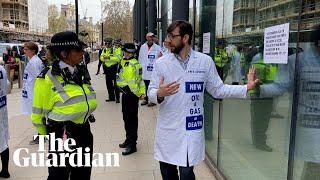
(100, 62)
(149, 53)
(86, 57)
(12, 59)
(177, 84)
(4, 132)
(166, 49)
(42, 53)
(64, 101)
(7, 55)
(31, 71)
(110, 61)
(132, 87)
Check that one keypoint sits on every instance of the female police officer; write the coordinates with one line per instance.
(66, 100)
(131, 85)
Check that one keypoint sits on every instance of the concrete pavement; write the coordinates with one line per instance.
(108, 132)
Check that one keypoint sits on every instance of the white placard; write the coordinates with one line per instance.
(1, 25)
(12, 26)
(206, 43)
(276, 39)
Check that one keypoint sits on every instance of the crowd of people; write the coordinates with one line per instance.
(59, 98)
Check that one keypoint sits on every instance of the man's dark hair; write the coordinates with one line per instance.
(184, 26)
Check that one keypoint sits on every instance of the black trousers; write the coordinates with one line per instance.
(146, 82)
(110, 74)
(83, 137)
(223, 71)
(260, 117)
(170, 172)
(99, 66)
(130, 104)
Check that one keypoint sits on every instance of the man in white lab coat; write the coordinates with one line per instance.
(149, 53)
(177, 84)
(30, 74)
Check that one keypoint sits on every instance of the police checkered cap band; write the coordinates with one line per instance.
(130, 50)
(74, 43)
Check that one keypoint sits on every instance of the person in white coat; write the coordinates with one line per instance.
(236, 66)
(178, 84)
(149, 53)
(166, 49)
(31, 72)
(4, 132)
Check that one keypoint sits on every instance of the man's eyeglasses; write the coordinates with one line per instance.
(172, 36)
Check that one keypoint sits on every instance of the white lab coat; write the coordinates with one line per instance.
(147, 57)
(235, 67)
(179, 130)
(4, 132)
(31, 72)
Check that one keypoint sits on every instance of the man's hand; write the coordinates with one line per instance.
(167, 89)
(252, 81)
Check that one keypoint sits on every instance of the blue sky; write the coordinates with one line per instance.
(93, 7)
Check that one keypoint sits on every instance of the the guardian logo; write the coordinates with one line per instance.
(78, 157)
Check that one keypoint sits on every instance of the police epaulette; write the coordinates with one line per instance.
(43, 72)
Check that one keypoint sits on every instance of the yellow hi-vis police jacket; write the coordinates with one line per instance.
(110, 56)
(221, 57)
(57, 100)
(131, 75)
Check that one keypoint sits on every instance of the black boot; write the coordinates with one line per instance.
(5, 163)
(129, 150)
(124, 144)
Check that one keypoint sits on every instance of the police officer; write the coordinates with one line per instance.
(118, 48)
(110, 65)
(131, 84)
(65, 100)
(221, 59)
(4, 130)
(261, 107)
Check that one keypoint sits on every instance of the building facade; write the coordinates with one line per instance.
(68, 12)
(14, 14)
(38, 15)
(274, 134)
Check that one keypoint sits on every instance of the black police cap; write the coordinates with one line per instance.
(66, 39)
(108, 40)
(129, 47)
(117, 41)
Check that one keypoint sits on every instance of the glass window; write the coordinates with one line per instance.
(307, 156)
(254, 133)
